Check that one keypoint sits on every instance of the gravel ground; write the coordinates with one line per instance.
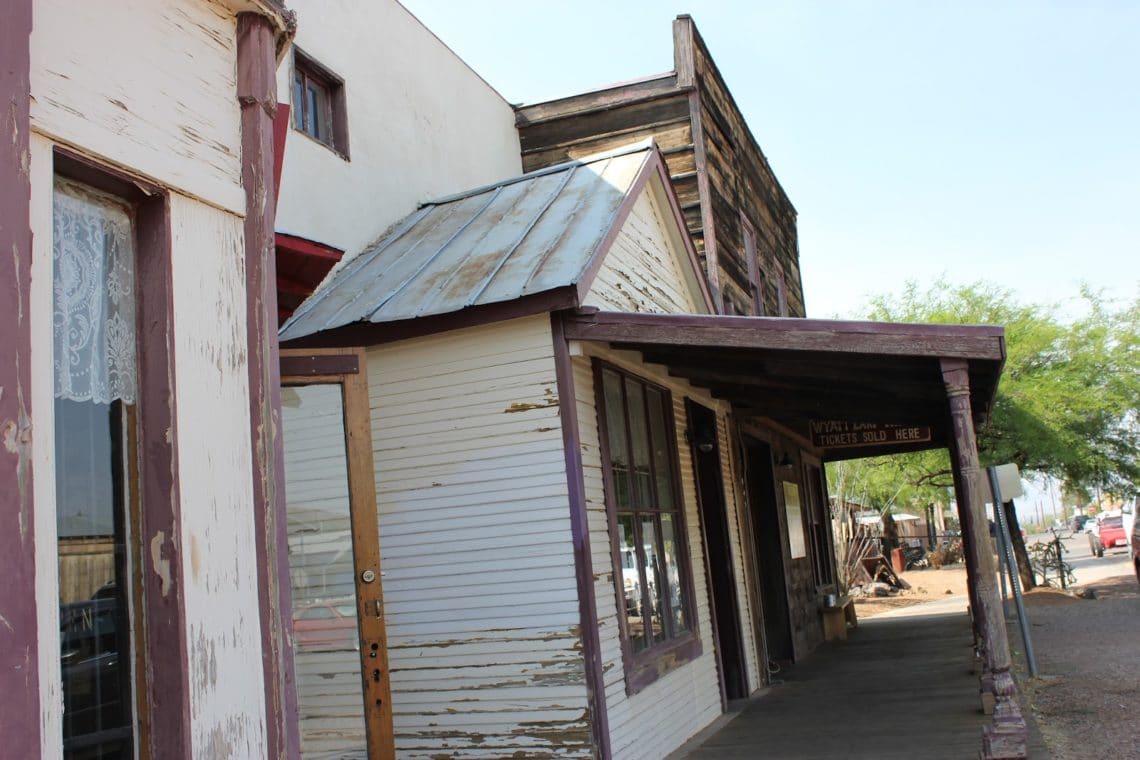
(1086, 699)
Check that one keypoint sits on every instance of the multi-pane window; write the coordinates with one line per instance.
(639, 456)
(319, 103)
(95, 446)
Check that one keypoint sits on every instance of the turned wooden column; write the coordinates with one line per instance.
(969, 551)
(1005, 737)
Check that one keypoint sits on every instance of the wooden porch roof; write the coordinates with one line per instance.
(799, 371)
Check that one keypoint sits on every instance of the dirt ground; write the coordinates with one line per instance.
(1086, 698)
(925, 586)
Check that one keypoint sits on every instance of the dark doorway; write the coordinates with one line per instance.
(718, 548)
(769, 550)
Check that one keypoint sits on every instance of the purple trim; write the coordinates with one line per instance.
(580, 534)
(768, 325)
(320, 364)
(257, 93)
(376, 333)
(166, 649)
(19, 648)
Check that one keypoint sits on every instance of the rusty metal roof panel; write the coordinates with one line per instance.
(523, 236)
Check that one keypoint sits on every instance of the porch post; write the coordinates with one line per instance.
(257, 94)
(969, 551)
(1006, 736)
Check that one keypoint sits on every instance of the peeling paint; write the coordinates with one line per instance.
(160, 564)
(526, 407)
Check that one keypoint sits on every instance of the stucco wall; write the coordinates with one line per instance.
(421, 125)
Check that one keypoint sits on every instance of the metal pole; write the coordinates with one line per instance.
(1003, 566)
(1014, 578)
(1060, 560)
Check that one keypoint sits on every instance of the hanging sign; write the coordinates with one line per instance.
(838, 434)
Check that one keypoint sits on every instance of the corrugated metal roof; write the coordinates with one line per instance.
(523, 236)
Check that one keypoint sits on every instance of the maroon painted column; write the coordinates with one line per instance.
(19, 653)
(1005, 737)
(257, 93)
(969, 551)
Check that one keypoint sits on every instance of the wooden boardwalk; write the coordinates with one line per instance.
(899, 687)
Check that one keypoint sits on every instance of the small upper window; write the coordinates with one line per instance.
(319, 103)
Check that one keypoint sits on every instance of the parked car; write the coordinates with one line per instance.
(326, 626)
(1110, 535)
(1080, 523)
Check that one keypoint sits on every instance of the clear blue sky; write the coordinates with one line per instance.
(914, 138)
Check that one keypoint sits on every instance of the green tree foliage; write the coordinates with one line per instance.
(1067, 404)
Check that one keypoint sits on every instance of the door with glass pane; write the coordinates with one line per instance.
(339, 643)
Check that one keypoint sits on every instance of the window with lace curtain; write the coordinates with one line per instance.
(95, 388)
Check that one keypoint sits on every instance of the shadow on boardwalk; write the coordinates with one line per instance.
(899, 687)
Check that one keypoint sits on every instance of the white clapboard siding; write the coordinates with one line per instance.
(643, 270)
(480, 593)
(215, 480)
(147, 85)
(660, 717)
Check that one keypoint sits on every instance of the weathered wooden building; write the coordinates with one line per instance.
(600, 506)
(515, 486)
(740, 218)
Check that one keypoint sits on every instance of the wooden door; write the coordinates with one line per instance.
(339, 642)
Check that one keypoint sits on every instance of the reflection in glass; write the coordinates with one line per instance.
(322, 573)
(632, 585)
(618, 443)
(672, 552)
(661, 454)
(639, 437)
(654, 578)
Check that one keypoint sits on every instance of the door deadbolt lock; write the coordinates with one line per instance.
(368, 576)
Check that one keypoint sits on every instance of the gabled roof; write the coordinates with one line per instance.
(542, 233)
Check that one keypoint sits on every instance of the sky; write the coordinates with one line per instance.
(975, 141)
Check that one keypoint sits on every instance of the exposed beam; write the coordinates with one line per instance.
(789, 334)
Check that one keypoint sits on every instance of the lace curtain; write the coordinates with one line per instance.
(94, 290)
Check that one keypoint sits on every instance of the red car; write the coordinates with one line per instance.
(1110, 535)
(326, 626)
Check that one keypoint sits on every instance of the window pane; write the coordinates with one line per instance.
(654, 575)
(662, 454)
(93, 287)
(671, 549)
(639, 436)
(618, 443)
(317, 98)
(322, 573)
(631, 582)
(298, 101)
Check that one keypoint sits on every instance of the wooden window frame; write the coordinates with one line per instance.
(160, 662)
(755, 277)
(335, 111)
(781, 290)
(647, 666)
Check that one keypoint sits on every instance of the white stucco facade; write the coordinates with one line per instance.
(421, 124)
